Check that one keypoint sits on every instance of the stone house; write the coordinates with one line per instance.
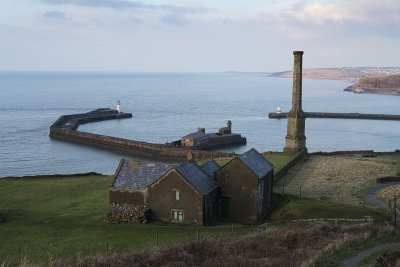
(196, 139)
(245, 188)
(181, 193)
(240, 191)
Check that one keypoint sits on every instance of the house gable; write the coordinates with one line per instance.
(164, 204)
(256, 163)
(240, 185)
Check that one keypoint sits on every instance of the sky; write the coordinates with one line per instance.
(196, 35)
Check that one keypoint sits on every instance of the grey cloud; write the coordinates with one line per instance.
(119, 4)
(102, 3)
(54, 14)
(175, 19)
(185, 9)
(136, 20)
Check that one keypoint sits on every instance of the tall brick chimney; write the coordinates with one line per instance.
(295, 138)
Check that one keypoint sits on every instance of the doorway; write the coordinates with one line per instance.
(225, 208)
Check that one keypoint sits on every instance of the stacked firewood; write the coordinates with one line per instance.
(123, 213)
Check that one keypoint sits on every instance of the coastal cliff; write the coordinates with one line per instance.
(389, 85)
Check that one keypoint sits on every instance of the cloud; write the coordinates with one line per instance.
(185, 9)
(121, 4)
(343, 11)
(136, 20)
(175, 19)
(101, 3)
(54, 15)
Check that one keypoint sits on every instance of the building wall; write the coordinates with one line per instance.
(187, 141)
(161, 199)
(264, 199)
(240, 184)
(131, 146)
(129, 197)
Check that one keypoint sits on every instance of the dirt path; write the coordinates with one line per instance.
(370, 194)
(366, 253)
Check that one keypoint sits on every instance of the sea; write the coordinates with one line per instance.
(166, 106)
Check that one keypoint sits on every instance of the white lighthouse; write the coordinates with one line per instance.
(118, 104)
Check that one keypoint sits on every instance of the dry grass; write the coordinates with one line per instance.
(388, 193)
(288, 246)
(336, 178)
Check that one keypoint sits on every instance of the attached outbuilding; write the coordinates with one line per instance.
(245, 188)
(131, 179)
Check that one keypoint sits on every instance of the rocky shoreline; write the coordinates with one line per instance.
(385, 85)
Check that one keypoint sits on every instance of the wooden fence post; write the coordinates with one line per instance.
(107, 249)
(198, 234)
(232, 228)
(157, 239)
(395, 211)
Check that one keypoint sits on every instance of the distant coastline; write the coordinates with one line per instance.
(345, 73)
(373, 80)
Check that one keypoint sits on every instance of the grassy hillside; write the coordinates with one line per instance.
(60, 217)
(47, 218)
(336, 178)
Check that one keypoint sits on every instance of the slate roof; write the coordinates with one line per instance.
(210, 167)
(136, 175)
(256, 162)
(194, 135)
(197, 177)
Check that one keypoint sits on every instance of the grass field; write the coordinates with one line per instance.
(389, 192)
(47, 218)
(339, 179)
(291, 207)
(61, 217)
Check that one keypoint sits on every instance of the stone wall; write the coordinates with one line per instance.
(157, 151)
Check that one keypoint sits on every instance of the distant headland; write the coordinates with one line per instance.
(388, 85)
(345, 73)
(373, 80)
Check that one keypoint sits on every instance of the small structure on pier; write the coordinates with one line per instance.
(295, 138)
(118, 104)
(203, 140)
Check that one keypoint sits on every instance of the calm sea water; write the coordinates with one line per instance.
(168, 106)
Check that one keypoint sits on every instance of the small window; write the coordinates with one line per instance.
(177, 194)
(177, 215)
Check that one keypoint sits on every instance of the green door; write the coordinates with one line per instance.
(225, 207)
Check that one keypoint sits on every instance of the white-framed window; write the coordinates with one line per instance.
(177, 215)
(177, 194)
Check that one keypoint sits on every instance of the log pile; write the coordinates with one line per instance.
(123, 213)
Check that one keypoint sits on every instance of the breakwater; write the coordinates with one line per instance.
(65, 129)
(282, 115)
